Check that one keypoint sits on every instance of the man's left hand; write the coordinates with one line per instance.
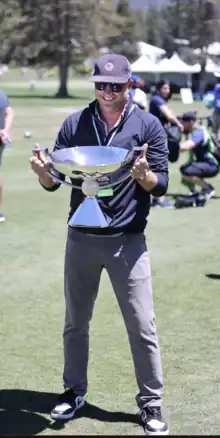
(140, 166)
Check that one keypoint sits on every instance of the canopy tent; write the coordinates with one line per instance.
(212, 49)
(152, 52)
(144, 65)
(176, 65)
(211, 66)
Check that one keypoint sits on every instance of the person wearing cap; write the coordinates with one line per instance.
(137, 95)
(120, 248)
(202, 163)
(216, 106)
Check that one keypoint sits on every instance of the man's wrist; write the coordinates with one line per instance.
(149, 180)
(144, 176)
(47, 181)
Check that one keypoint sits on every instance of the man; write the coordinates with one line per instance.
(137, 95)
(202, 163)
(112, 119)
(216, 106)
(6, 120)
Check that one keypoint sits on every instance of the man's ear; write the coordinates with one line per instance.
(131, 83)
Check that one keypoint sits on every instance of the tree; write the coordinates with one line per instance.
(59, 32)
(125, 41)
(157, 30)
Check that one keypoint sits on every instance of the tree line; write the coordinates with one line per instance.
(66, 32)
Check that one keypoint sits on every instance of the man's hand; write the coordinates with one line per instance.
(39, 163)
(140, 167)
(40, 166)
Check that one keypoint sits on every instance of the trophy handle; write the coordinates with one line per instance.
(50, 172)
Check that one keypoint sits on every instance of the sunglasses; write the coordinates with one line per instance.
(116, 88)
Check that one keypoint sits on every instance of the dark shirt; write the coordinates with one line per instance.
(156, 102)
(129, 206)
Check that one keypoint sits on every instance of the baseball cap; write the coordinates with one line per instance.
(189, 115)
(111, 68)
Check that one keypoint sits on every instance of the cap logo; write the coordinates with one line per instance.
(109, 66)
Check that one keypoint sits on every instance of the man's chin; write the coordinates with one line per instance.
(108, 102)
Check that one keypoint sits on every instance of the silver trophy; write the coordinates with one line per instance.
(96, 167)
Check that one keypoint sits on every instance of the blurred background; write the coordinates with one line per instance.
(61, 38)
(48, 48)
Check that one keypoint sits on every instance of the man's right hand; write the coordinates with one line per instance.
(40, 166)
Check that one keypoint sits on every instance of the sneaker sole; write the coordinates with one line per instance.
(162, 206)
(157, 433)
(67, 416)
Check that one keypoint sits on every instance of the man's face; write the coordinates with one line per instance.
(112, 96)
(188, 125)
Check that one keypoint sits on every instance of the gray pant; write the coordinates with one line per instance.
(126, 260)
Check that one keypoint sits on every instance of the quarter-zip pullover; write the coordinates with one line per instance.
(129, 205)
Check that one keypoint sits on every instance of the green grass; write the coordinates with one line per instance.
(184, 248)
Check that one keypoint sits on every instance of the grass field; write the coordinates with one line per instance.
(184, 248)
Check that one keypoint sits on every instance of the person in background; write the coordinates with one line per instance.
(159, 108)
(216, 106)
(202, 163)
(6, 120)
(137, 95)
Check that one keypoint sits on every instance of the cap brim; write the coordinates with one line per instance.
(109, 79)
(217, 74)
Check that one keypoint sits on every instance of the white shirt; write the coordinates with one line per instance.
(139, 97)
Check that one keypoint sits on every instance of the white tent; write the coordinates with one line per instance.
(176, 65)
(211, 66)
(213, 49)
(144, 65)
(152, 52)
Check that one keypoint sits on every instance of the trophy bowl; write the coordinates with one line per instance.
(91, 164)
(90, 160)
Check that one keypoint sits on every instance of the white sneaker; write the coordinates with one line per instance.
(153, 422)
(67, 405)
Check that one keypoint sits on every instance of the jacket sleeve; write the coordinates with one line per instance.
(157, 154)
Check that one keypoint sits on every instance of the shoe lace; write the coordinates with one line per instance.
(149, 412)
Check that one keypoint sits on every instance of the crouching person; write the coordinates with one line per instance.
(202, 163)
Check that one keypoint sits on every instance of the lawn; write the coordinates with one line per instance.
(184, 248)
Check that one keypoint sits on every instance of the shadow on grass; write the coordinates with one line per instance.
(20, 413)
(213, 276)
(45, 96)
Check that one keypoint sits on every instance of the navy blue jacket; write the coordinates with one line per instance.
(129, 206)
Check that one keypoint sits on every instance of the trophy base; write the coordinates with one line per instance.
(89, 214)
